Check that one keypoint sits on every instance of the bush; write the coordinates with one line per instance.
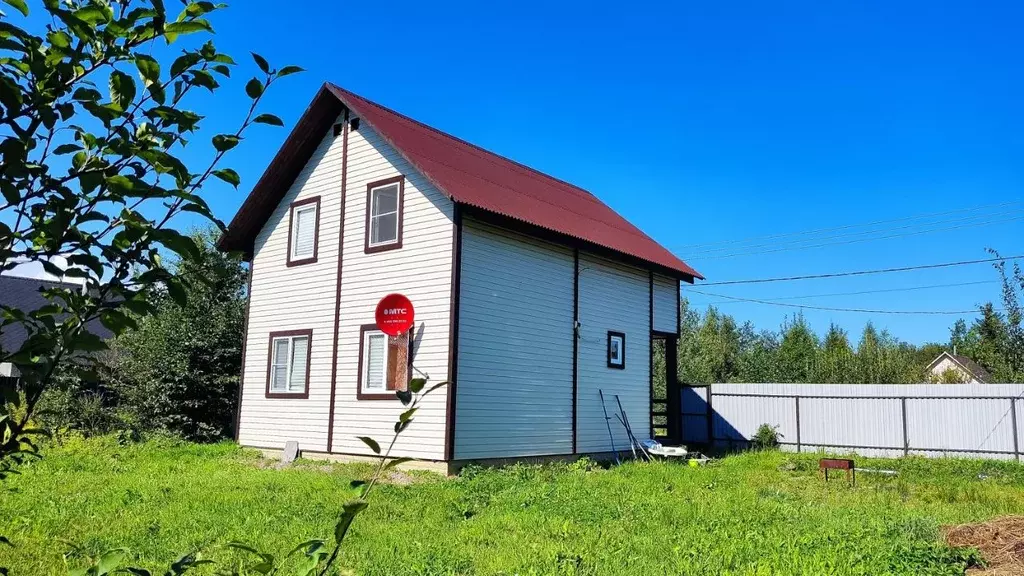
(766, 438)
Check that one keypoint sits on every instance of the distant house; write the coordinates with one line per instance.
(531, 296)
(25, 294)
(970, 371)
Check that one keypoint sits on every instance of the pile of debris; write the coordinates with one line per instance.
(1000, 541)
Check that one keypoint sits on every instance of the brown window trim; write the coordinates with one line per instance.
(400, 180)
(612, 334)
(270, 362)
(316, 231)
(360, 395)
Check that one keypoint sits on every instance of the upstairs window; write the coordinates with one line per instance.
(384, 203)
(383, 364)
(304, 223)
(288, 366)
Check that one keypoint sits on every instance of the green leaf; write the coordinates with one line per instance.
(417, 384)
(88, 342)
(86, 95)
(156, 90)
(19, 5)
(225, 142)
(149, 69)
(261, 62)
(184, 62)
(66, 149)
(174, 29)
(228, 175)
(268, 119)
(254, 88)
(288, 70)
(407, 415)
(122, 89)
(348, 513)
(205, 79)
(222, 69)
(397, 462)
(371, 443)
(109, 561)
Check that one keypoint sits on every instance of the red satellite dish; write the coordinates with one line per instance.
(395, 314)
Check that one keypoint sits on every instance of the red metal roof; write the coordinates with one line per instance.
(473, 176)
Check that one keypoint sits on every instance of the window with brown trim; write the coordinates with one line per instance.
(385, 203)
(288, 364)
(303, 231)
(384, 364)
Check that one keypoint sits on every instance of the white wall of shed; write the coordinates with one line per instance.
(612, 297)
(666, 304)
(303, 297)
(421, 270)
(515, 346)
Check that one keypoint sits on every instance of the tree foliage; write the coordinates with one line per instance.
(93, 123)
(712, 350)
(178, 372)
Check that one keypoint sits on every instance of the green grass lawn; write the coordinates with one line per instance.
(746, 514)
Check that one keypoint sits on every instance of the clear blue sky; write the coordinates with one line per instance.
(703, 121)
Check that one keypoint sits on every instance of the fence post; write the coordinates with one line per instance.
(711, 425)
(797, 399)
(1013, 421)
(906, 439)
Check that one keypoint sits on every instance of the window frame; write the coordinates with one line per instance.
(622, 350)
(291, 334)
(293, 207)
(397, 243)
(387, 394)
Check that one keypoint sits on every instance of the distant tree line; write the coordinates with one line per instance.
(715, 347)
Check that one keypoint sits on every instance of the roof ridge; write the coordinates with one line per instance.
(529, 169)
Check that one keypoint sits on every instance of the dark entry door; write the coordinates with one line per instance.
(666, 414)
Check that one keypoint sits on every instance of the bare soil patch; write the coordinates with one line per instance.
(1000, 541)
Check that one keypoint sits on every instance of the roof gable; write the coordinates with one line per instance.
(972, 368)
(462, 171)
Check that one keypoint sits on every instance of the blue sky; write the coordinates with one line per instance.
(702, 122)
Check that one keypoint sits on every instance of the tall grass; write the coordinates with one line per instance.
(749, 514)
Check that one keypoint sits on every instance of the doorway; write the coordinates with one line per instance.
(666, 416)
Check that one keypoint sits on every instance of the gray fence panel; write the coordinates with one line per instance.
(695, 429)
(976, 420)
(841, 422)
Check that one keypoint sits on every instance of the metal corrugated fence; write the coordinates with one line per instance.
(976, 420)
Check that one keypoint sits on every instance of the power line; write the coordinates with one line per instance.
(831, 309)
(862, 272)
(734, 243)
(883, 290)
(960, 224)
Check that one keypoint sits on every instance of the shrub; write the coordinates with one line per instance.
(766, 438)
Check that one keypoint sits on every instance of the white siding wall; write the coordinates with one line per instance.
(301, 297)
(612, 297)
(421, 270)
(666, 304)
(515, 346)
(304, 297)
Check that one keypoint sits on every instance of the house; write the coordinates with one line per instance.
(967, 370)
(531, 295)
(25, 294)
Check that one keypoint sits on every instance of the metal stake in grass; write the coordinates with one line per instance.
(608, 424)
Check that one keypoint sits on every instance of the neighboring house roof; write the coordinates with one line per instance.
(25, 294)
(466, 173)
(969, 366)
